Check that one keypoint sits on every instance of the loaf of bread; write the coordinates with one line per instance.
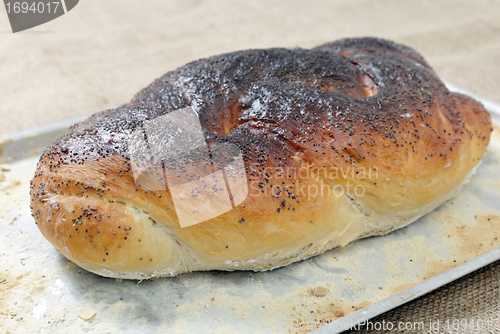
(256, 159)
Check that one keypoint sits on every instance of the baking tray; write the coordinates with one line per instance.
(42, 292)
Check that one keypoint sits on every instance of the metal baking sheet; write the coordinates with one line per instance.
(42, 292)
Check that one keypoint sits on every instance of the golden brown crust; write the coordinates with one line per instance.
(359, 114)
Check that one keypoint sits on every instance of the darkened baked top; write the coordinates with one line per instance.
(363, 102)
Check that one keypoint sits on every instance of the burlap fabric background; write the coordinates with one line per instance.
(102, 52)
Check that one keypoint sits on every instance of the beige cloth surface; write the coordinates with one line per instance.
(102, 52)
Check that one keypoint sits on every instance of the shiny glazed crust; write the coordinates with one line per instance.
(353, 138)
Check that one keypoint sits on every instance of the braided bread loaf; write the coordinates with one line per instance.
(255, 159)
